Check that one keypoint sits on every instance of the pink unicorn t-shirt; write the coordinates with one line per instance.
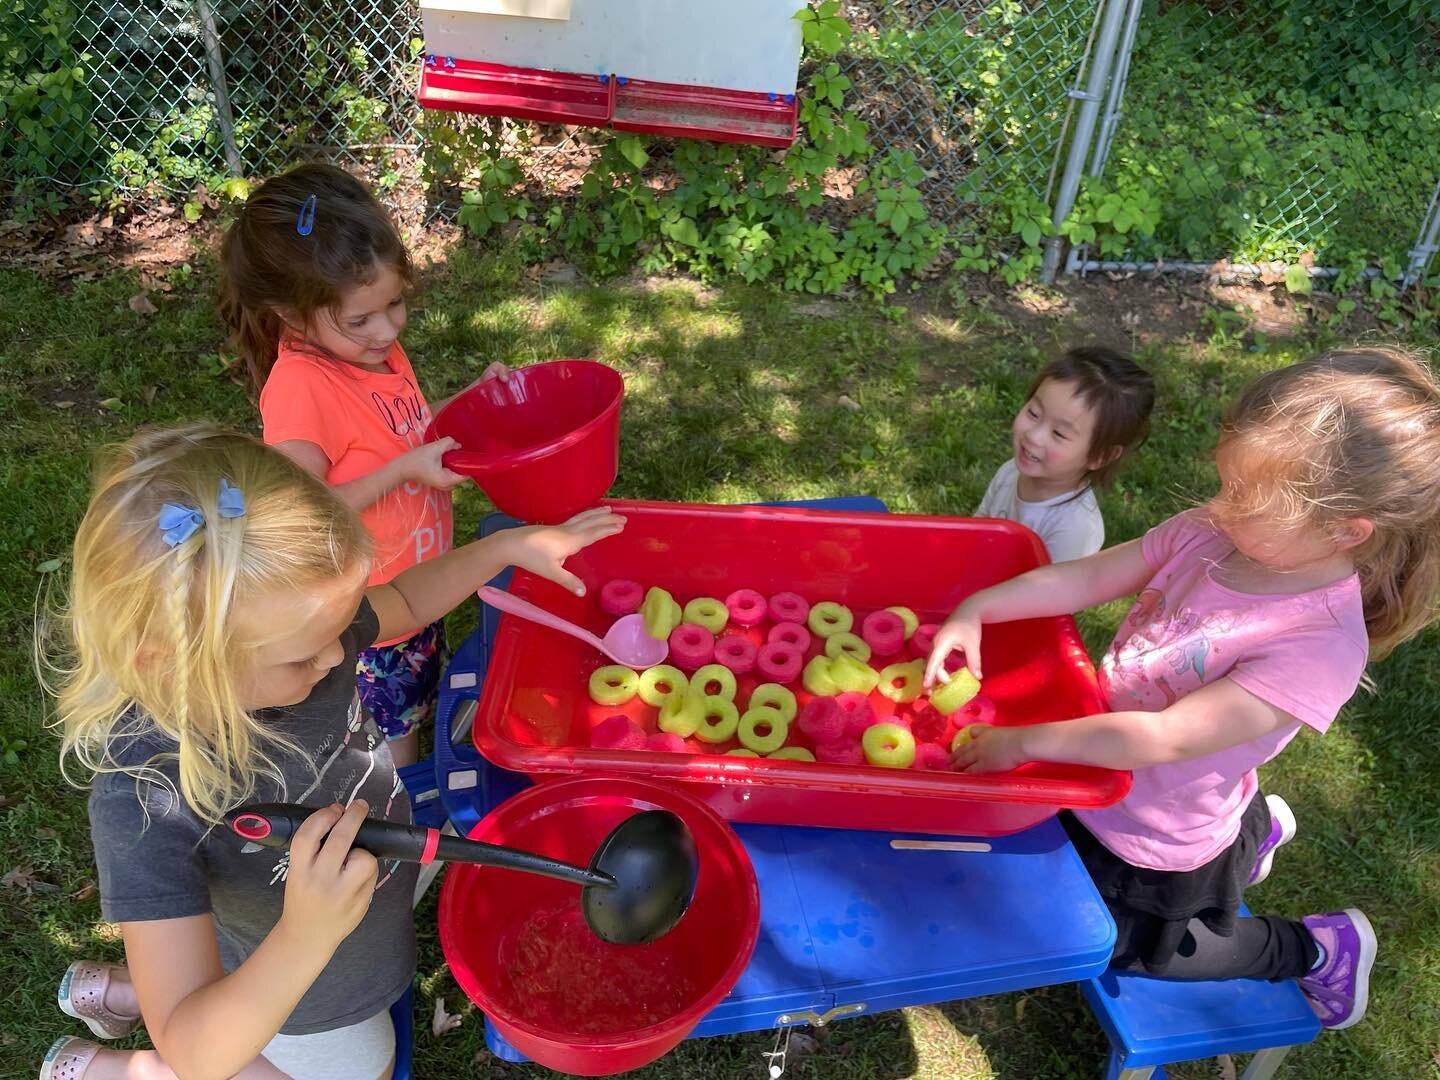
(1303, 653)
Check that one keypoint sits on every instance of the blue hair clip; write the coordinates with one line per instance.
(306, 221)
(179, 522)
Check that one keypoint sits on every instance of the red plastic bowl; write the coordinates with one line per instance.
(518, 944)
(543, 443)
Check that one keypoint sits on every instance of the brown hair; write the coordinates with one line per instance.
(1354, 433)
(267, 263)
(1119, 391)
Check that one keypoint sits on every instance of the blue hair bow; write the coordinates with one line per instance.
(179, 522)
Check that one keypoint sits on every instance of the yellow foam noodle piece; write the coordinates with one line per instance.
(661, 612)
(850, 674)
(817, 679)
(910, 676)
(847, 644)
(952, 696)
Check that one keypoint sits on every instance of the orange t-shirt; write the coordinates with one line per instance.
(362, 420)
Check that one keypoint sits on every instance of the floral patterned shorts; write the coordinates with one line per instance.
(400, 683)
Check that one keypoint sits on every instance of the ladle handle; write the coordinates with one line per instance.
(498, 598)
(275, 824)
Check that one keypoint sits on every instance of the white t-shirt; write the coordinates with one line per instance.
(1069, 524)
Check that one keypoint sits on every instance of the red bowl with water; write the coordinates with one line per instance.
(543, 443)
(518, 944)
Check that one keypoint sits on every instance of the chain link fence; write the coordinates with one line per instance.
(1290, 130)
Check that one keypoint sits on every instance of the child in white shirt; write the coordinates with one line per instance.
(1085, 412)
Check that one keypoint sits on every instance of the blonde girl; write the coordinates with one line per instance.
(218, 601)
(1255, 618)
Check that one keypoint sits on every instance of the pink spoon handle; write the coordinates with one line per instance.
(505, 601)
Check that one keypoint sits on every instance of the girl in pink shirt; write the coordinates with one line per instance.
(1255, 618)
(314, 281)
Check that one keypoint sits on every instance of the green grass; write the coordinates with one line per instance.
(732, 395)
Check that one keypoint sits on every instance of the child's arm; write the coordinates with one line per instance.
(421, 465)
(1057, 589)
(1215, 717)
(432, 589)
(497, 370)
(205, 1023)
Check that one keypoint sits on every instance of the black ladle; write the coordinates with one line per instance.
(638, 884)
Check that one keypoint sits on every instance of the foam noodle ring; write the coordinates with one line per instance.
(884, 632)
(822, 721)
(779, 662)
(666, 742)
(816, 677)
(774, 696)
(791, 634)
(691, 646)
(962, 737)
(763, 729)
(857, 713)
(850, 675)
(617, 733)
(908, 617)
(662, 613)
(680, 713)
(659, 682)
(708, 612)
(718, 720)
(841, 752)
(902, 683)
(747, 607)
(828, 618)
(621, 597)
(791, 753)
(930, 758)
(736, 653)
(741, 751)
(951, 697)
(613, 685)
(923, 640)
(889, 746)
(978, 710)
(847, 643)
(789, 607)
(719, 674)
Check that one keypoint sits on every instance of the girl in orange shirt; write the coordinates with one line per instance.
(314, 279)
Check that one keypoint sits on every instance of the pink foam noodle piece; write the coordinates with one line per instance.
(617, 733)
(789, 607)
(930, 757)
(790, 633)
(736, 653)
(621, 597)
(691, 646)
(929, 725)
(779, 662)
(843, 752)
(747, 607)
(856, 712)
(667, 742)
(822, 721)
(884, 632)
(978, 710)
(923, 640)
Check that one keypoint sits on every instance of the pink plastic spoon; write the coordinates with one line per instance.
(626, 642)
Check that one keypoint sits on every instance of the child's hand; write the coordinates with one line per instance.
(497, 370)
(423, 465)
(989, 749)
(543, 549)
(328, 886)
(960, 631)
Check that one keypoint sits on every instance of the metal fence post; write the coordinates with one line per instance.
(216, 62)
(1112, 14)
(1426, 243)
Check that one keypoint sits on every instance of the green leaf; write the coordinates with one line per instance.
(1297, 280)
(632, 151)
(900, 220)
(1030, 233)
(685, 231)
(49, 566)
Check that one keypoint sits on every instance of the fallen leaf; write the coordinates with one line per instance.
(802, 1044)
(141, 305)
(44, 834)
(847, 403)
(49, 566)
(149, 394)
(64, 404)
(1020, 1004)
(1226, 1067)
(85, 892)
(443, 1022)
(21, 877)
(112, 403)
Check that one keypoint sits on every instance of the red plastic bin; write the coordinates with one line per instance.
(550, 97)
(535, 714)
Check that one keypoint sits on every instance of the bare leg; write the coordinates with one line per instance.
(405, 750)
(147, 1065)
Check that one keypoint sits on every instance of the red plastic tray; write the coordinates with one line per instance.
(551, 97)
(535, 714)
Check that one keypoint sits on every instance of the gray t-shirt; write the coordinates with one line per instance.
(170, 865)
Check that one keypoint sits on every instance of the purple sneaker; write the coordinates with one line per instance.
(1282, 831)
(1339, 989)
